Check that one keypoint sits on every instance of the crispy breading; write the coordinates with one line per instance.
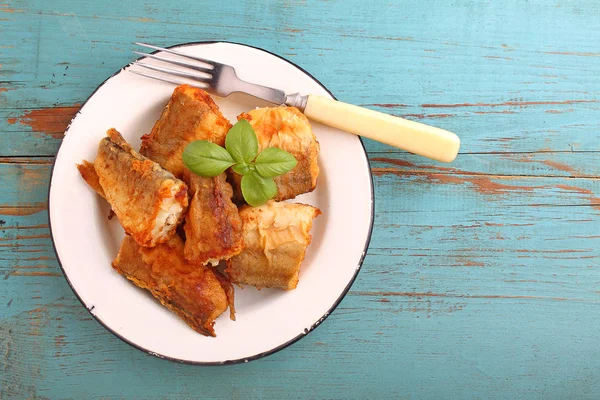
(148, 200)
(197, 294)
(89, 175)
(288, 129)
(191, 114)
(276, 236)
(213, 227)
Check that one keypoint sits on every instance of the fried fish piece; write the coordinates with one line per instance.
(89, 175)
(191, 114)
(288, 129)
(197, 294)
(276, 236)
(213, 227)
(148, 201)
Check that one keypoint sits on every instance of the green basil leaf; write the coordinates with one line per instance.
(241, 142)
(242, 169)
(257, 190)
(206, 159)
(273, 162)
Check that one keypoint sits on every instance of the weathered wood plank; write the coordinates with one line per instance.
(26, 180)
(52, 347)
(25, 246)
(474, 219)
(396, 178)
(509, 229)
(545, 164)
(72, 344)
(543, 97)
(541, 164)
(38, 131)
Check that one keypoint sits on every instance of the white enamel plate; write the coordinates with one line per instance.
(268, 320)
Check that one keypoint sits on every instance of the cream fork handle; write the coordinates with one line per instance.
(417, 138)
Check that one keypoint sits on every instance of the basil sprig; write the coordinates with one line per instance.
(208, 159)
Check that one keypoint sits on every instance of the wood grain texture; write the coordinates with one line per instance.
(481, 280)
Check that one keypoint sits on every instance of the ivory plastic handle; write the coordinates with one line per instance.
(421, 139)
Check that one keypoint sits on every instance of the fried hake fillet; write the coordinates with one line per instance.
(190, 115)
(288, 129)
(197, 294)
(148, 201)
(89, 175)
(213, 227)
(276, 236)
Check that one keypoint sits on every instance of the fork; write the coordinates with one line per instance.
(221, 80)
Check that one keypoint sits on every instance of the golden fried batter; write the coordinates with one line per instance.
(197, 294)
(148, 201)
(213, 228)
(276, 236)
(89, 175)
(190, 115)
(288, 129)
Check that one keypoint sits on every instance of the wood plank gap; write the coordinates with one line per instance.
(380, 171)
(467, 296)
(393, 151)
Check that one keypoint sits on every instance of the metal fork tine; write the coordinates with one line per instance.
(176, 62)
(221, 81)
(189, 75)
(203, 60)
(171, 80)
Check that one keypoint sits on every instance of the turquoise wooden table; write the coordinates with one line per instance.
(483, 276)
